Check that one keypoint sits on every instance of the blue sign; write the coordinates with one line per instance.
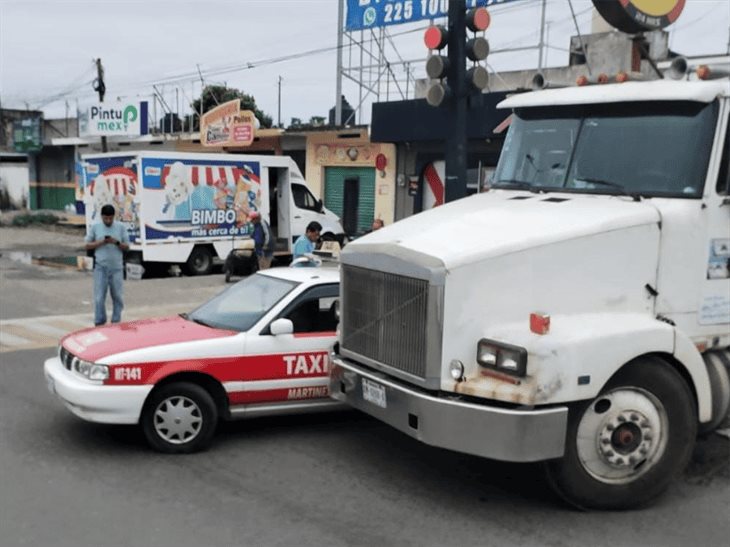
(366, 14)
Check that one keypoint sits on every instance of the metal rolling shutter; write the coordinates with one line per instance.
(334, 192)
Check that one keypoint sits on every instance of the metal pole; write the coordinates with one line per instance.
(338, 99)
(101, 88)
(455, 183)
(542, 35)
(279, 108)
(362, 52)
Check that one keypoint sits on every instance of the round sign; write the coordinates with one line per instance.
(634, 16)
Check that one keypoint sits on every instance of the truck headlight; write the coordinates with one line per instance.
(502, 357)
(92, 371)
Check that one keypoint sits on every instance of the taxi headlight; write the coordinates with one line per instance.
(92, 371)
(502, 357)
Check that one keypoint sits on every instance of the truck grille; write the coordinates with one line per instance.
(385, 318)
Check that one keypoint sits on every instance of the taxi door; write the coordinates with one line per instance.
(292, 367)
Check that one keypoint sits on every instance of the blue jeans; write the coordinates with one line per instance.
(113, 280)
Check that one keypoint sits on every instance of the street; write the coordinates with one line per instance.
(330, 479)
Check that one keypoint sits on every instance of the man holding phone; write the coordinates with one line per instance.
(109, 240)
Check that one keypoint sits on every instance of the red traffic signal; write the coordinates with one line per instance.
(478, 19)
(436, 37)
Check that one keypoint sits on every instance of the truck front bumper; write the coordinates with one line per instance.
(95, 402)
(514, 435)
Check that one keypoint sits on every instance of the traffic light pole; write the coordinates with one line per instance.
(455, 183)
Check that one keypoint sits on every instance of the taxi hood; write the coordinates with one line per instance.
(97, 343)
(501, 222)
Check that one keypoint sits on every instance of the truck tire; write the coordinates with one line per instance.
(200, 262)
(624, 447)
(179, 418)
(720, 387)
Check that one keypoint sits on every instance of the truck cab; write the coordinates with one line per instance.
(578, 313)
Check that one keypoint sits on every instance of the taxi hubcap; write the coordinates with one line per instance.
(178, 419)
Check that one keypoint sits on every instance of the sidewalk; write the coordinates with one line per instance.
(45, 332)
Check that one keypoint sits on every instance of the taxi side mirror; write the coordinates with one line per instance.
(282, 326)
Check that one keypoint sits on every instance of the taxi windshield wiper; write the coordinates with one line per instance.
(199, 321)
(621, 190)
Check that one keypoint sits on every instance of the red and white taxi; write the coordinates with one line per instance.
(259, 347)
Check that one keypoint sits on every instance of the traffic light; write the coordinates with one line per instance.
(444, 75)
(436, 38)
(477, 48)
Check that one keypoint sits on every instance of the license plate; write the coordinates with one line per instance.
(374, 393)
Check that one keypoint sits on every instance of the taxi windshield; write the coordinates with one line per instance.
(242, 305)
(638, 149)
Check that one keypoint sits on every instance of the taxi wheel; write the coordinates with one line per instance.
(180, 418)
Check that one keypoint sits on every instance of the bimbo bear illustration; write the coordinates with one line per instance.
(185, 195)
(101, 195)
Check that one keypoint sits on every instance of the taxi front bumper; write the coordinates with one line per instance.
(514, 435)
(95, 402)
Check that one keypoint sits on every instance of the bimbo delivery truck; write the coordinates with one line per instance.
(188, 209)
(577, 313)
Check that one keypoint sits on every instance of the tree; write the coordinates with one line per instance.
(213, 95)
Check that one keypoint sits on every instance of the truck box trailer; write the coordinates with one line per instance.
(189, 208)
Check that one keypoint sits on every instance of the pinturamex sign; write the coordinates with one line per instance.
(122, 119)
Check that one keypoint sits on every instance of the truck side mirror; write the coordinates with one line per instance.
(320, 206)
(282, 326)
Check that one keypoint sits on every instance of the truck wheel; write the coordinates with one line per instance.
(720, 388)
(180, 418)
(200, 262)
(624, 447)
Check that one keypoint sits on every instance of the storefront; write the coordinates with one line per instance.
(354, 177)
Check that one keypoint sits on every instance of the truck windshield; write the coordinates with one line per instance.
(242, 305)
(647, 149)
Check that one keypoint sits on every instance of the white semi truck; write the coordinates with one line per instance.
(578, 313)
(189, 208)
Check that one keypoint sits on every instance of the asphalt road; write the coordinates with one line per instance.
(336, 479)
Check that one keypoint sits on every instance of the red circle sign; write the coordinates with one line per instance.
(380, 162)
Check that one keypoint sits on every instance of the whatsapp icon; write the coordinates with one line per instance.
(368, 18)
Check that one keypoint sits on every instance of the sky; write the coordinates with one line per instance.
(47, 49)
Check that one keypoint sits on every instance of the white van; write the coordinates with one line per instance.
(189, 208)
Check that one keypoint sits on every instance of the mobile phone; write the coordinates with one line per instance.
(107, 238)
